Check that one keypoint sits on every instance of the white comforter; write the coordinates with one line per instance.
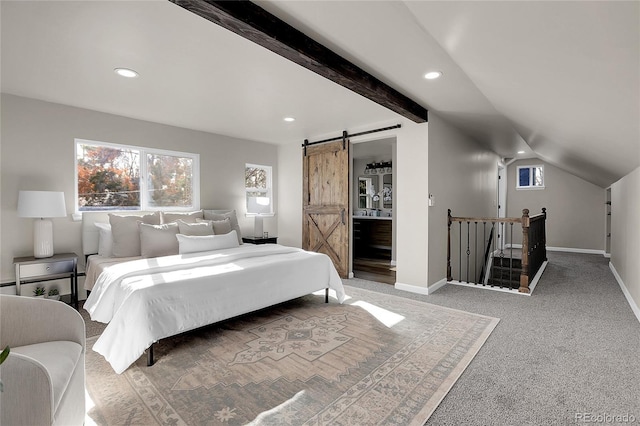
(149, 299)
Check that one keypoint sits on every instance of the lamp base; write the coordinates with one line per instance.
(257, 226)
(42, 238)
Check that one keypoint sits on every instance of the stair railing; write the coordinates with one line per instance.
(476, 247)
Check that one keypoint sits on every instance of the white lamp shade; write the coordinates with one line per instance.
(259, 205)
(41, 204)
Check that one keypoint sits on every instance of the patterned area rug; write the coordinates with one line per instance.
(377, 359)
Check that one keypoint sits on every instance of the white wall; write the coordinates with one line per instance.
(575, 207)
(410, 206)
(37, 153)
(463, 177)
(625, 234)
(289, 214)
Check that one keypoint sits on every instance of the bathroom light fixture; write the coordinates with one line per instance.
(126, 72)
(289, 119)
(520, 152)
(432, 75)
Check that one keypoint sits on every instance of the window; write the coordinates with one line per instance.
(257, 184)
(121, 177)
(530, 177)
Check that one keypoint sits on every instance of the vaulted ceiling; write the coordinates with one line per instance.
(559, 80)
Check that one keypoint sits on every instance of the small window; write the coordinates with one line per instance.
(257, 183)
(121, 177)
(530, 177)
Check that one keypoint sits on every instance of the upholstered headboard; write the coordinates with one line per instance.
(90, 234)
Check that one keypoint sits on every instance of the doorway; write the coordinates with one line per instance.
(373, 218)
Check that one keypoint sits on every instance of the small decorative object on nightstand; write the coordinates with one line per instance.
(260, 240)
(31, 269)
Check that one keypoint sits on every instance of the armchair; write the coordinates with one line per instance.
(44, 375)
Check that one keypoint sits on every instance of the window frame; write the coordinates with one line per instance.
(531, 174)
(269, 190)
(144, 199)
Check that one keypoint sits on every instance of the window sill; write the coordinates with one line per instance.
(528, 188)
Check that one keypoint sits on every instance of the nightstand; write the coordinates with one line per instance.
(260, 240)
(30, 269)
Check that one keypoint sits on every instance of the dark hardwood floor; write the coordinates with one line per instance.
(379, 270)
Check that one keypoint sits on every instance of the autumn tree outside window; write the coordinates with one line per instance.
(121, 177)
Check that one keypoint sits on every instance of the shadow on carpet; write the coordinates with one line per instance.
(377, 359)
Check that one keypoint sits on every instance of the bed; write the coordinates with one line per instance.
(145, 299)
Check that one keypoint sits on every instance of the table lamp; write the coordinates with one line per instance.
(259, 206)
(42, 205)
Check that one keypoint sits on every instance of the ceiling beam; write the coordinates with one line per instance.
(250, 21)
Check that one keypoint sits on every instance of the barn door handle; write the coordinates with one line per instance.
(342, 217)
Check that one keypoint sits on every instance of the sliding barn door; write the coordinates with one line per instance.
(326, 202)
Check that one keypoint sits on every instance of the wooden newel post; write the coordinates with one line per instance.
(524, 276)
(449, 277)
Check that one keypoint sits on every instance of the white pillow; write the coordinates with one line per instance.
(105, 239)
(158, 240)
(199, 243)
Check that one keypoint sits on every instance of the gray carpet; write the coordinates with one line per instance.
(568, 354)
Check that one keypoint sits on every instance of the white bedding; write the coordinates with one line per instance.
(96, 264)
(149, 299)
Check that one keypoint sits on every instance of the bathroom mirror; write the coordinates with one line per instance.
(386, 195)
(366, 191)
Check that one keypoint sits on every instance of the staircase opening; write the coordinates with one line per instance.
(507, 254)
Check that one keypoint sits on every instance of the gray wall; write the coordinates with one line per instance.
(463, 177)
(575, 207)
(625, 233)
(37, 153)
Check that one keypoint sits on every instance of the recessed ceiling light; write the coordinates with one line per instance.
(126, 72)
(520, 152)
(432, 75)
(289, 119)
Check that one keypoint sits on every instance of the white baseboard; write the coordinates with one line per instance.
(488, 287)
(632, 303)
(563, 249)
(537, 276)
(350, 275)
(412, 288)
(576, 250)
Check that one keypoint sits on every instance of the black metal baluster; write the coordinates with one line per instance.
(493, 251)
(460, 254)
(468, 251)
(484, 244)
(475, 264)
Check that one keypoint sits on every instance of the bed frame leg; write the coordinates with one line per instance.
(326, 295)
(150, 356)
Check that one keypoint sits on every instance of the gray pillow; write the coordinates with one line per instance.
(220, 227)
(189, 217)
(222, 216)
(199, 228)
(158, 240)
(126, 234)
